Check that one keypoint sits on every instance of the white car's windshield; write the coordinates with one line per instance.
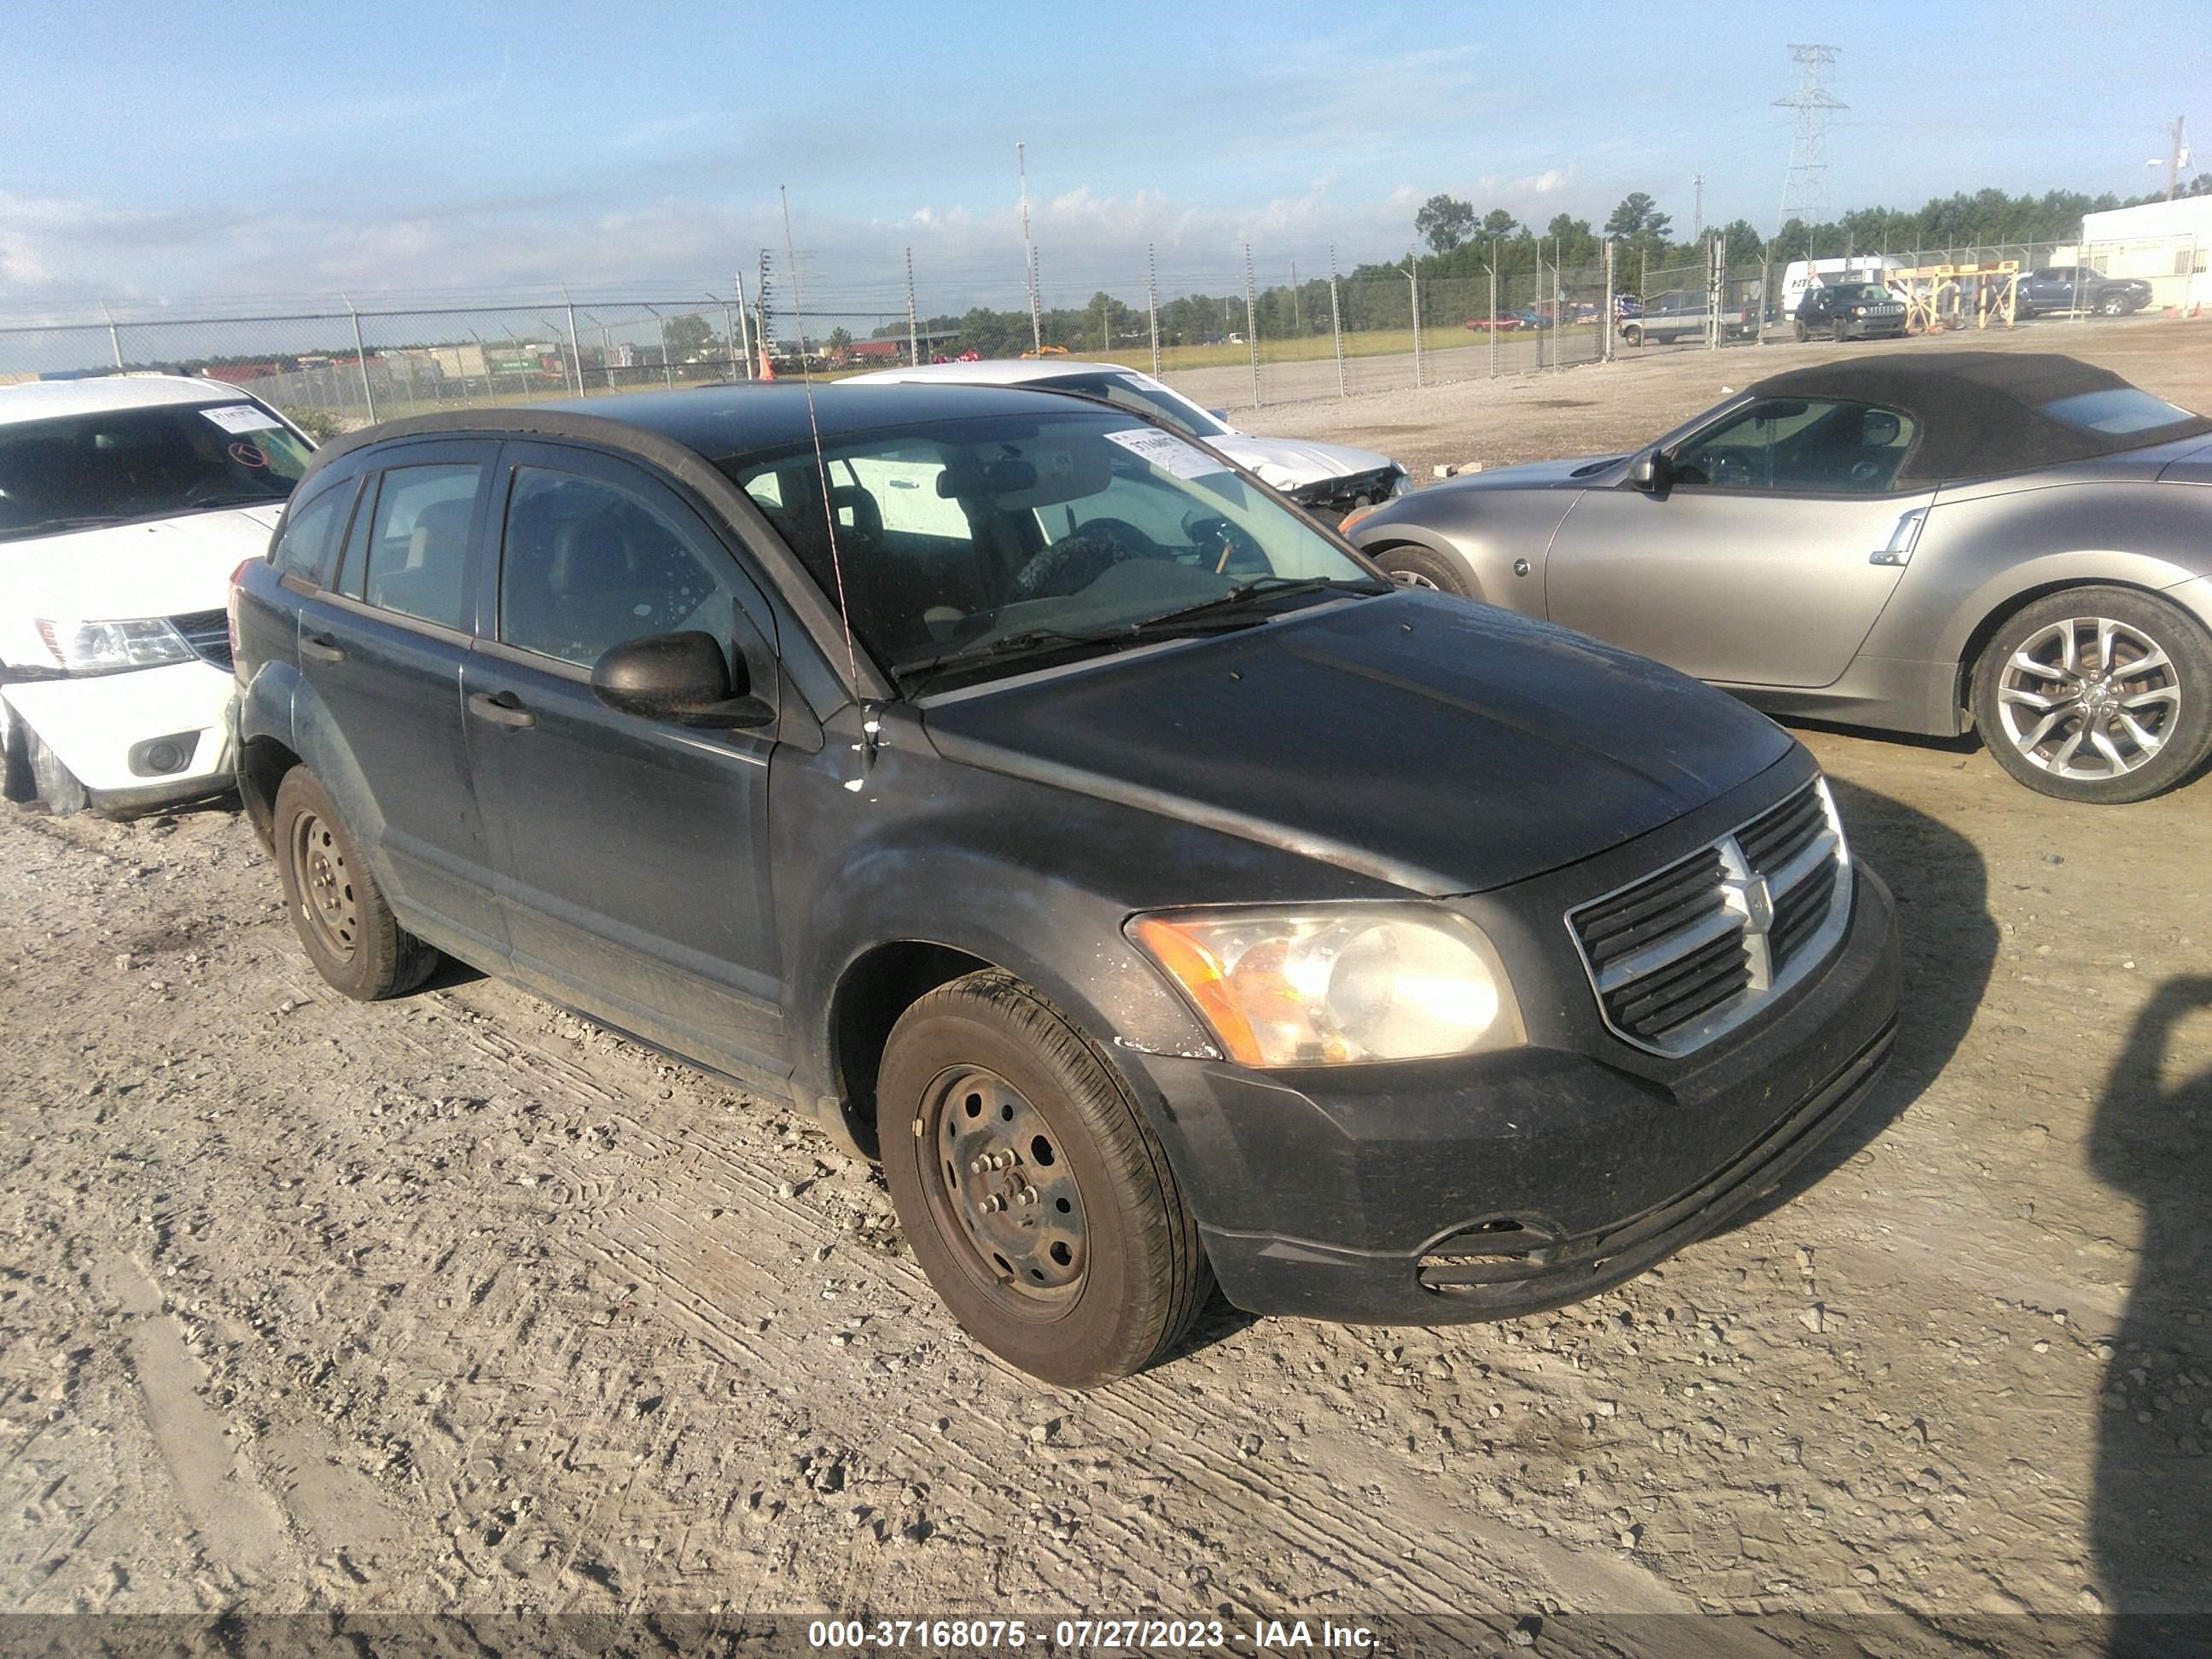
(1155, 403)
(87, 469)
(964, 537)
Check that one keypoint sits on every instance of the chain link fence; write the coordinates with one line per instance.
(1217, 332)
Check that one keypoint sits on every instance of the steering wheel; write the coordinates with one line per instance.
(1225, 547)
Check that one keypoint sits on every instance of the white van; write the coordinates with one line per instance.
(1802, 274)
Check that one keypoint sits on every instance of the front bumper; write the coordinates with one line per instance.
(1874, 328)
(1510, 1183)
(92, 725)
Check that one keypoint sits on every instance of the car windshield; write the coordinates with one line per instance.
(2117, 408)
(975, 539)
(1873, 293)
(86, 470)
(1154, 402)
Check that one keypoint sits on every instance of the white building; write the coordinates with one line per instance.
(2167, 244)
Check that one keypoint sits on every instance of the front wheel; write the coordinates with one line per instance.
(1802, 333)
(1034, 1196)
(1417, 566)
(1633, 335)
(2098, 695)
(2113, 305)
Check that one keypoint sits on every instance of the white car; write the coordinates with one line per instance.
(126, 502)
(1329, 479)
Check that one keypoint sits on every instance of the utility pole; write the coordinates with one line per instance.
(1295, 329)
(1153, 304)
(745, 327)
(1805, 186)
(913, 338)
(764, 336)
(1698, 212)
(1028, 253)
(2176, 159)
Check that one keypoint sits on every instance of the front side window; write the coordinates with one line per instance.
(83, 470)
(417, 546)
(587, 565)
(969, 533)
(1809, 445)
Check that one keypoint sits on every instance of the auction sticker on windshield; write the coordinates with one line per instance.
(1167, 452)
(242, 417)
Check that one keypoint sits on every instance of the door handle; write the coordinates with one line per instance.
(1902, 540)
(322, 647)
(502, 710)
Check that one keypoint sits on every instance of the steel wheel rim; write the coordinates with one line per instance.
(2088, 699)
(1002, 1193)
(1414, 579)
(326, 893)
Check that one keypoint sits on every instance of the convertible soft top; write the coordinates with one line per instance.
(1982, 413)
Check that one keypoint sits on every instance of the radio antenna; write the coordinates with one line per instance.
(814, 426)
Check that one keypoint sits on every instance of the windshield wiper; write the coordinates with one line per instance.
(1265, 587)
(1030, 642)
(72, 521)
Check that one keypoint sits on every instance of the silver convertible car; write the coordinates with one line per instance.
(2010, 543)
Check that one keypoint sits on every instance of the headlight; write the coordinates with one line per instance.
(1402, 483)
(1336, 985)
(109, 647)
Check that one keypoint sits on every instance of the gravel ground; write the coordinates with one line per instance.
(458, 1303)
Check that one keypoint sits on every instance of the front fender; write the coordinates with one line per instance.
(1483, 531)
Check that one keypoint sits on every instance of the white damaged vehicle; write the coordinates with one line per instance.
(125, 503)
(1329, 479)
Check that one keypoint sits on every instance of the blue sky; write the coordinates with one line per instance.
(173, 151)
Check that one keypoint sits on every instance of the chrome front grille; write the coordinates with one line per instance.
(207, 633)
(1681, 957)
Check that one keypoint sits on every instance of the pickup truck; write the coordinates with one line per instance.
(2070, 288)
(1680, 312)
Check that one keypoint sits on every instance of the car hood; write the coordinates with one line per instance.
(1291, 463)
(158, 567)
(1439, 746)
(1530, 475)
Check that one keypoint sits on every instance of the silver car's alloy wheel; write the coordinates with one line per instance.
(2088, 698)
(1413, 578)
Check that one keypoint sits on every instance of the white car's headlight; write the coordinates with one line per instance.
(1402, 484)
(108, 648)
(1336, 984)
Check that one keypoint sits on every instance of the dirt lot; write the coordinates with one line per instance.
(457, 1303)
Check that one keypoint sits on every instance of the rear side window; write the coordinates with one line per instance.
(309, 549)
(418, 543)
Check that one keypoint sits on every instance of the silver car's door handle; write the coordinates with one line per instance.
(502, 709)
(1902, 540)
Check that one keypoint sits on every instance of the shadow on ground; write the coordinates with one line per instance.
(2151, 1517)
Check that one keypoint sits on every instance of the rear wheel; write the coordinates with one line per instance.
(2098, 694)
(1034, 1194)
(337, 909)
(1417, 566)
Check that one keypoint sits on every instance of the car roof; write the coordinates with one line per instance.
(50, 400)
(1980, 413)
(995, 371)
(719, 421)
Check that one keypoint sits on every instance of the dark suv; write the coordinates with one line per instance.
(1850, 311)
(1031, 796)
(2071, 288)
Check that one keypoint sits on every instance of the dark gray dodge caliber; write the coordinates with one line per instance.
(1159, 893)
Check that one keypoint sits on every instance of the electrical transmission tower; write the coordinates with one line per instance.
(1805, 187)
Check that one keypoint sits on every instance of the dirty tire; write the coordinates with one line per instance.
(2113, 305)
(1143, 1272)
(1417, 566)
(1840, 330)
(2184, 742)
(1632, 334)
(372, 956)
(1802, 333)
(15, 782)
(51, 782)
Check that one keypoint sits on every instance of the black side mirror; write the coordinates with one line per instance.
(683, 678)
(1649, 472)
